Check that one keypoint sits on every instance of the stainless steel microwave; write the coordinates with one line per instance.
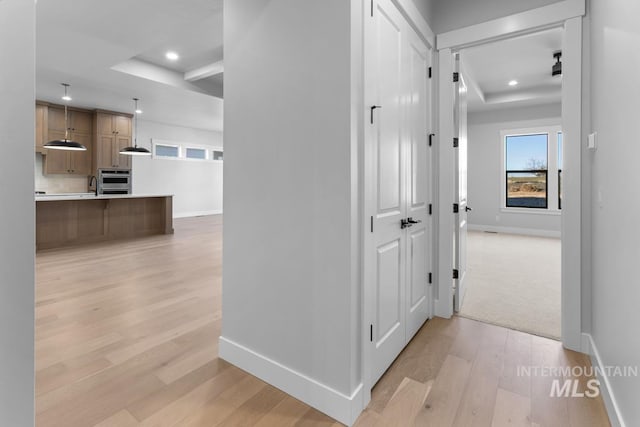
(114, 181)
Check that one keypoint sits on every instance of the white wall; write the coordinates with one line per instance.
(454, 14)
(485, 169)
(290, 280)
(615, 91)
(17, 234)
(196, 185)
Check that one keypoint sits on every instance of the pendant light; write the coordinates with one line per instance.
(66, 143)
(135, 150)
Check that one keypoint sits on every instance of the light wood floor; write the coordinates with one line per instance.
(126, 335)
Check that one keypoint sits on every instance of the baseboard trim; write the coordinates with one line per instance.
(198, 213)
(613, 410)
(514, 230)
(341, 407)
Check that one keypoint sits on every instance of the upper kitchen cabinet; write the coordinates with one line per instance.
(79, 128)
(78, 121)
(112, 134)
(42, 126)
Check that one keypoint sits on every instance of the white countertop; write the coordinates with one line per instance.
(92, 196)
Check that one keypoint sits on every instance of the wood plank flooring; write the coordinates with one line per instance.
(126, 335)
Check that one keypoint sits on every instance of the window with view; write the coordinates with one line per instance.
(526, 174)
(532, 169)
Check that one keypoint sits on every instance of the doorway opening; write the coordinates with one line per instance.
(508, 117)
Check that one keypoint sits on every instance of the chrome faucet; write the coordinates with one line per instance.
(93, 179)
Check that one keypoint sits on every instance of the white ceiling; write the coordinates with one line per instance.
(528, 59)
(83, 43)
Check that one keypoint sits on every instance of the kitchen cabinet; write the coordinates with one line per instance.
(112, 134)
(80, 127)
(42, 127)
(69, 162)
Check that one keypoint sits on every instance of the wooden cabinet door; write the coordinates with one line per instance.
(56, 161)
(122, 125)
(81, 122)
(105, 151)
(80, 161)
(104, 124)
(56, 120)
(123, 161)
(42, 127)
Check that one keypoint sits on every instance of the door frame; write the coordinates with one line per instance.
(409, 11)
(567, 14)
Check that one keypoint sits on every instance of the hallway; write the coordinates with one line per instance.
(127, 335)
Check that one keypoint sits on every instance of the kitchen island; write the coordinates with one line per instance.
(73, 219)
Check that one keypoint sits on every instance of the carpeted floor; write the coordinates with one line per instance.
(514, 281)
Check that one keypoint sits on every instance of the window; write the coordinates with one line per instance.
(217, 155)
(196, 153)
(532, 169)
(161, 150)
(526, 171)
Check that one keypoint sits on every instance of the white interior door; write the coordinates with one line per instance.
(418, 120)
(397, 257)
(460, 235)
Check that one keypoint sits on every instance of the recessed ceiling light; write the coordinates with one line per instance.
(513, 83)
(172, 56)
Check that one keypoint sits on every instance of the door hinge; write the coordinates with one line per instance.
(430, 277)
(456, 208)
(431, 135)
(456, 77)
(429, 72)
(430, 209)
(455, 273)
(372, 8)
(371, 332)
(456, 142)
(372, 223)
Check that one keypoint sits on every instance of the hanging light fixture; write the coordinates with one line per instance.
(135, 150)
(66, 143)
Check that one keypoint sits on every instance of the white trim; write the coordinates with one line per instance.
(443, 306)
(571, 219)
(197, 213)
(343, 408)
(511, 25)
(514, 230)
(610, 402)
(417, 21)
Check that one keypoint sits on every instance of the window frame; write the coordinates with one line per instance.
(155, 144)
(220, 149)
(552, 167)
(182, 151)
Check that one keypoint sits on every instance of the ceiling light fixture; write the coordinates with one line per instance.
(135, 150)
(66, 143)
(556, 70)
(172, 56)
(513, 83)
(66, 96)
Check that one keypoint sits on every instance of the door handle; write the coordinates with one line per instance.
(373, 107)
(412, 221)
(404, 223)
(468, 209)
